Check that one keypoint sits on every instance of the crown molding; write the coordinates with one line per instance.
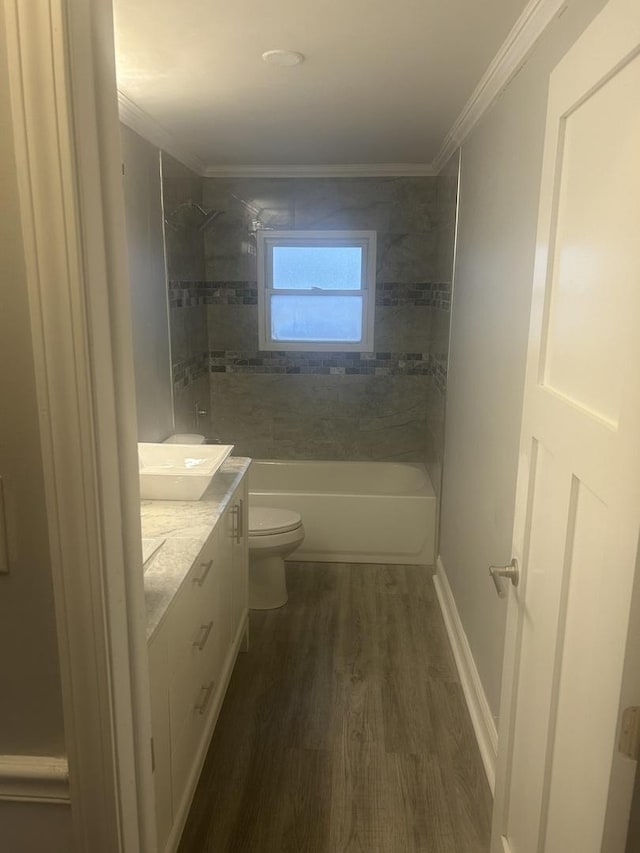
(141, 122)
(531, 24)
(349, 170)
(34, 778)
(535, 18)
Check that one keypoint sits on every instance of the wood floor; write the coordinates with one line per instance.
(344, 729)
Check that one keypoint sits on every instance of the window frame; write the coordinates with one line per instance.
(267, 240)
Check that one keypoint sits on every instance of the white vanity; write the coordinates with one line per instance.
(196, 589)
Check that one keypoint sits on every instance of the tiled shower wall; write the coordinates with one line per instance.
(188, 323)
(382, 405)
(320, 405)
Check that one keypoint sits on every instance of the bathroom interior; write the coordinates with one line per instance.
(334, 710)
(347, 444)
(328, 663)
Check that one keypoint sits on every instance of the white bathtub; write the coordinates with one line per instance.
(353, 512)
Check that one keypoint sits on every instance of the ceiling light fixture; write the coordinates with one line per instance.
(283, 57)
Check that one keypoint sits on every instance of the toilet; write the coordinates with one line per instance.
(273, 535)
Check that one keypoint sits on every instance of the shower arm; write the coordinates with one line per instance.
(209, 216)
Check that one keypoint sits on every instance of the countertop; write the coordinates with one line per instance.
(186, 526)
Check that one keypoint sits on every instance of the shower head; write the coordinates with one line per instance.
(209, 219)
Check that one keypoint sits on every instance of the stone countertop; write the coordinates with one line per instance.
(186, 526)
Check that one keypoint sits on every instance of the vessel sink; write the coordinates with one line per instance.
(178, 472)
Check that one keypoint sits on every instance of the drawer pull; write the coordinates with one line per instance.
(238, 511)
(205, 694)
(207, 568)
(204, 636)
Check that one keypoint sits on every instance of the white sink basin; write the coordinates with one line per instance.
(178, 472)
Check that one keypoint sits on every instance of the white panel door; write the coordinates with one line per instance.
(578, 497)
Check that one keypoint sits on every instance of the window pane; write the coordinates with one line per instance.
(316, 318)
(326, 267)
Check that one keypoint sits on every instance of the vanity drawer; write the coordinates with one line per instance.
(198, 668)
(185, 748)
(194, 608)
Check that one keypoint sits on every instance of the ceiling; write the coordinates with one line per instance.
(383, 82)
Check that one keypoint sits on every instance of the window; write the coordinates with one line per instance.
(316, 290)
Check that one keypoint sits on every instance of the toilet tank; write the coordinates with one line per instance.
(184, 438)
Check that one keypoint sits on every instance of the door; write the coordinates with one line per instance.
(578, 497)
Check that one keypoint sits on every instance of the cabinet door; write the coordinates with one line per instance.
(240, 561)
(159, 697)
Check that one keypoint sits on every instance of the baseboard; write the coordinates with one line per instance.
(34, 779)
(483, 723)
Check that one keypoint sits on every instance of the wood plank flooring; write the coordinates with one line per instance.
(344, 729)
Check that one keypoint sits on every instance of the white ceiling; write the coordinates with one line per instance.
(383, 82)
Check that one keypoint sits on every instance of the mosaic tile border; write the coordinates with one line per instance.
(318, 364)
(188, 294)
(186, 372)
(439, 363)
(336, 363)
(429, 294)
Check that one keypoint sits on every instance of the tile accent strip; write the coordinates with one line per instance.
(186, 372)
(430, 294)
(339, 363)
(187, 294)
(439, 363)
(325, 363)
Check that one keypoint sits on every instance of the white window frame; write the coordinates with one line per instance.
(266, 242)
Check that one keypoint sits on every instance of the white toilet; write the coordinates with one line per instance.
(273, 535)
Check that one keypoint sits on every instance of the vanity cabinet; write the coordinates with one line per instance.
(191, 656)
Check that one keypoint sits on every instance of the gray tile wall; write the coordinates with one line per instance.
(322, 417)
(188, 322)
(383, 405)
(319, 405)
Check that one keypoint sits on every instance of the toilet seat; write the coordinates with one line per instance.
(267, 521)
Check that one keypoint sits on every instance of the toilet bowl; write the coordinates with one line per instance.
(273, 535)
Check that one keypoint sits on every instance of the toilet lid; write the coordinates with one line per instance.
(264, 520)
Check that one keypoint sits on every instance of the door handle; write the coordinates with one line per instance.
(512, 572)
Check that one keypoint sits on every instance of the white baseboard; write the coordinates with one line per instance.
(483, 723)
(34, 779)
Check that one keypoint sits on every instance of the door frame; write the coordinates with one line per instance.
(68, 165)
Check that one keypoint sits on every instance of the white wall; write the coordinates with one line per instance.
(149, 305)
(31, 721)
(498, 206)
(30, 694)
(35, 828)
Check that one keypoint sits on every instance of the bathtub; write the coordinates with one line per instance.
(353, 512)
